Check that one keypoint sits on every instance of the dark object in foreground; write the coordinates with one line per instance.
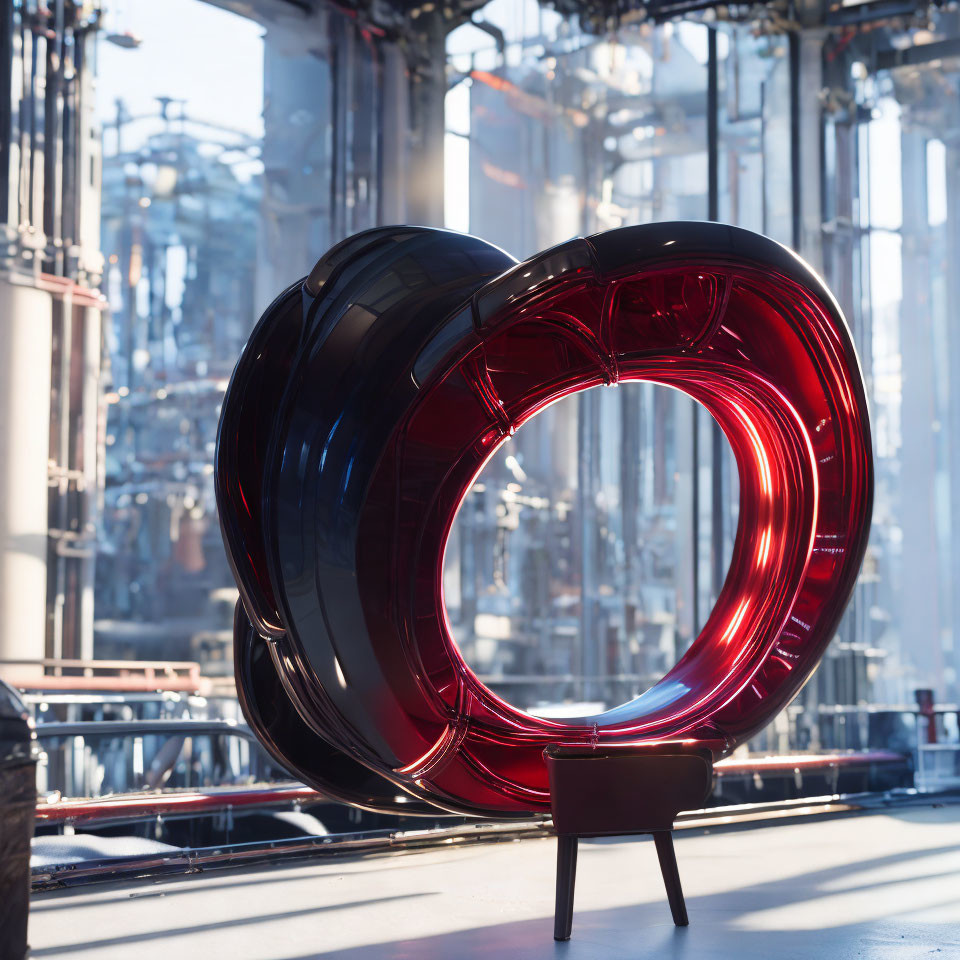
(615, 792)
(18, 799)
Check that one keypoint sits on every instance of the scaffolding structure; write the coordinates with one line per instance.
(51, 406)
(590, 552)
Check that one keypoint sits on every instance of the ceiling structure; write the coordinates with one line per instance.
(599, 16)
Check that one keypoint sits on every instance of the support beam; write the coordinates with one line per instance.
(429, 90)
(806, 155)
(713, 213)
(394, 135)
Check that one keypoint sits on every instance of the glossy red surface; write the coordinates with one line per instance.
(364, 478)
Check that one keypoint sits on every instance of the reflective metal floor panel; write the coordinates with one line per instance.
(862, 887)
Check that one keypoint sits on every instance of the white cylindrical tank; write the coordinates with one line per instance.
(25, 356)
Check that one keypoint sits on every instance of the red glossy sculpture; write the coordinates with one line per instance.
(371, 395)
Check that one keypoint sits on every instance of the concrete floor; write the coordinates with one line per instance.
(884, 886)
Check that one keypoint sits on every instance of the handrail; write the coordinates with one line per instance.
(384, 842)
(804, 762)
(193, 802)
(134, 728)
(127, 675)
(165, 666)
(126, 806)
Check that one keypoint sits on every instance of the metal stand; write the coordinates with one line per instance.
(671, 876)
(621, 792)
(566, 883)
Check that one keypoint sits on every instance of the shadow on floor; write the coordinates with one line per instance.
(716, 931)
(196, 928)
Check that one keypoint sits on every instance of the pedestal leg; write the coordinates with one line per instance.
(566, 881)
(671, 876)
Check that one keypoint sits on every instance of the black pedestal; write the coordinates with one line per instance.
(618, 792)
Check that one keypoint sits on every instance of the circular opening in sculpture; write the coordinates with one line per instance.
(571, 579)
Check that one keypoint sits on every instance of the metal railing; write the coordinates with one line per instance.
(106, 675)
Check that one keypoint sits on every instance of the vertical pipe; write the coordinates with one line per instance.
(695, 521)
(952, 229)
(38, 79)
(713, 213)
(6, 107)
(53, 156)
(630, 460)
(394, 136)
(376, 136)
(24, 114)
(590, 661)
(63, 323)
(717, 512)
(428, 95)
(713, 126)
(341, 70)
(920, 603)
(796, 235)
(92, 459)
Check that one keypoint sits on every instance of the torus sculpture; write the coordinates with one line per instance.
(372, 393)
